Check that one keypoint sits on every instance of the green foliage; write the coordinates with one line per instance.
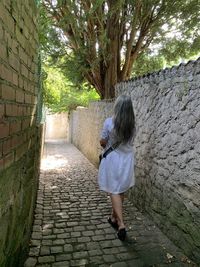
(90, 39)
(60, 95)
(146, 64)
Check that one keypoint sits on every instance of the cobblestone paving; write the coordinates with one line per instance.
(70, 226)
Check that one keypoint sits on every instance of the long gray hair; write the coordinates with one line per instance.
(124, 119)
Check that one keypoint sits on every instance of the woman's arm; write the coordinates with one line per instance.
(103, 142)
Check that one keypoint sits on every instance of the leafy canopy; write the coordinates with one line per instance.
(103, 41)
(60, 95)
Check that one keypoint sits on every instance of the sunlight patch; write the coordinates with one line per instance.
(53, 162)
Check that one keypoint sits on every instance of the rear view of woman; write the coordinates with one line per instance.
(116, 170)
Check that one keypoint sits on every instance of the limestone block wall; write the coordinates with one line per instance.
(19, 132)
(167, 108)
(85, 128)
(167, 147)
(57, 126)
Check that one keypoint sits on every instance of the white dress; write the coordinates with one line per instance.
(116, 171)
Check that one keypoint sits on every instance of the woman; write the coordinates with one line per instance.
(116, 170)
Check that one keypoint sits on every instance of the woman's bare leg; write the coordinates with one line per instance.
(113, 214)
(122, 198)
(117, 201)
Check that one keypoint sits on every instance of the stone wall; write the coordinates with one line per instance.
(19, 131)
(57, 126)
(167, 108)
(85, 127)
(167, 145)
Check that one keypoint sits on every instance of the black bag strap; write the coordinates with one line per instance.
(110, 149)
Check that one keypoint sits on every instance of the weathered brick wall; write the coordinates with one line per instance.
(19, 134)
(167, 145)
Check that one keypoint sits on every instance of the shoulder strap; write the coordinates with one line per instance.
(110, 149)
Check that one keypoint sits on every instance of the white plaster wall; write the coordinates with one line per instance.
(57, 126)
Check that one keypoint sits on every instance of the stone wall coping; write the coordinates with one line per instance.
(167, 71)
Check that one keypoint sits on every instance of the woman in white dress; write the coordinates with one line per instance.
(116, 170)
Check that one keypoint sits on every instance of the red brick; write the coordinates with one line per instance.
(1, 149)
(3, 52)
(7, 146)
(21, 111)
(20, 151)
(24, 137)
(28, 111)
(11, 110)
(31, 76)
(15, 127)
(20, 96)
(28, 98)
(21, 82)
(25, 85)
(23, 56)
(21, 39)
(6, 18)
(4, 130)
(2, 110)
(1, 164)
(29, 87)
(24, 70)
(8, 92)
(34, 99)
(7, 38)
(1, 32)
(15, 47)
(15, 12)
(8, 160)
(6, 74)
(17, 140)
(30, 62)
(26, 32)
(15, 79)
(34, 89)
(26, 124)
(14, 62)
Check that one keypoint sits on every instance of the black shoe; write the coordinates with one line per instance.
(113, 224)
(121, 234)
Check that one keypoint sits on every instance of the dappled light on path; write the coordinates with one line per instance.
(53, 162)
(71, 228)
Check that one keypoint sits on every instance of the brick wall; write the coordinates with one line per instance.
(167, 148)
(19, 134)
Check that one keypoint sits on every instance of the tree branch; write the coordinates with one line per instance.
(131, 39)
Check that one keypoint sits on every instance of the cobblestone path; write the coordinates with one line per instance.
(70, 226)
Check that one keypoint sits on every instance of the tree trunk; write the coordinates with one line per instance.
(112, 68)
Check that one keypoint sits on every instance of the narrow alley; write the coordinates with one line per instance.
(71, 228)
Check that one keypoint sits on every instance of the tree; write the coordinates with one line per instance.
(106, 37)
(60, 95)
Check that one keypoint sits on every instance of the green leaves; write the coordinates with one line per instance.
(60, 95)
(105, 41)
